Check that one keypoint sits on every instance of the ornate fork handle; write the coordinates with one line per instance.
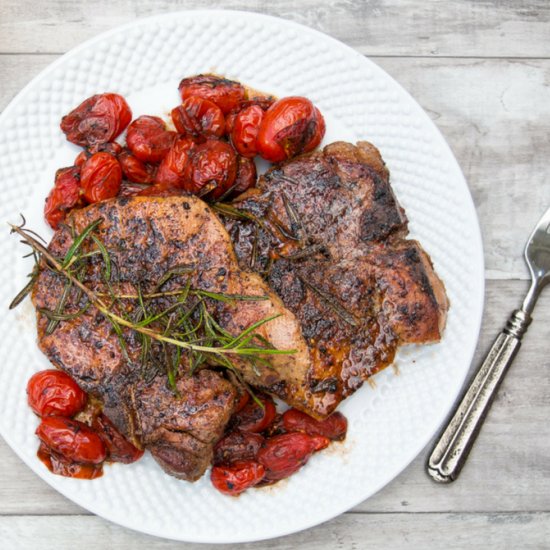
(455, 443)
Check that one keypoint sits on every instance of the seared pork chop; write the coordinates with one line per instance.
(145, 239)
(328, 235)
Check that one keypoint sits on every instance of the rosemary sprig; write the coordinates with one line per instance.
(179, 327)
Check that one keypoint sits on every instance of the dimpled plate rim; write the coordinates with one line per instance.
(388, 426)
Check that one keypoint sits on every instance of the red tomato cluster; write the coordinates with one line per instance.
(262, 447)
(69, 447)
(220, 127)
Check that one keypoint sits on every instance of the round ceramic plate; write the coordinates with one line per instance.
(390, 423)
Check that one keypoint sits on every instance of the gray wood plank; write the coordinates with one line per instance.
(492, 112)
(348, 532)
(508, 469)
(378, 27)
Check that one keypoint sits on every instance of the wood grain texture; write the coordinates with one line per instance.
(347, 532)
(376, 27)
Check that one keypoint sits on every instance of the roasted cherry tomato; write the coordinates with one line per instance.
(82, 157)
(148, 139)
(226, 94)
(246, 176)
(237, 445)
(101, 177)
(282, 455)
(288, 127)
(63, 467)
(118, 447)
(65, 195)
(245, 130)
(99, 119)
(319, 134)
(174, 167)
(112, 147)
(198, 117)
(235, 478)
(264, 102)
(253, 418)
(71, 439)
(241, 400)
(54, 393)
(334, 427)
(134, 169)
(212, 170)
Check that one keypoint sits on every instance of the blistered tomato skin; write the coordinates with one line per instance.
(253, 418)
(64, 196)
(118, 447)
(71, 439)
(62, 467)
(101, 177)
(319, 134)
(135, 170)
(235, 478)
(334, 427)
(245, 130)
(98, 119)
(282, 455)
(246, 176)
(237, 445)
(81, 158)
(212, 170)
(174, 167)
(288, 127)
(226, 94)
(53, 392)
(148, 139)
(198, 117)
(112, 148)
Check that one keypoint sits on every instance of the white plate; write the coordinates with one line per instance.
(390, 424)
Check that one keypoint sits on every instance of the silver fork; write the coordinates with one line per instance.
(454, 445)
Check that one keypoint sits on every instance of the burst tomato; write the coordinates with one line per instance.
(289, 126)
(81, 158)
(134, 169)
(53, 392)
(148, 139)
(212, 169)
(118, 447)
(245, 130)
(242, 399)
(174, 167)
(226, 94)
(253, 417)
(198, 117)
(62, 467)
(101, 177)
(71, 439)
(235, 478)
(237, 445)
(98, 119)
(246, 176)
(282, 455)
(334, 427)
(64, 196)
(113, 148)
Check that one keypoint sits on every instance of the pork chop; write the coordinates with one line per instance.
(327, 233)
(145, 239)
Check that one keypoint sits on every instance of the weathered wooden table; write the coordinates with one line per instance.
(482, 72)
